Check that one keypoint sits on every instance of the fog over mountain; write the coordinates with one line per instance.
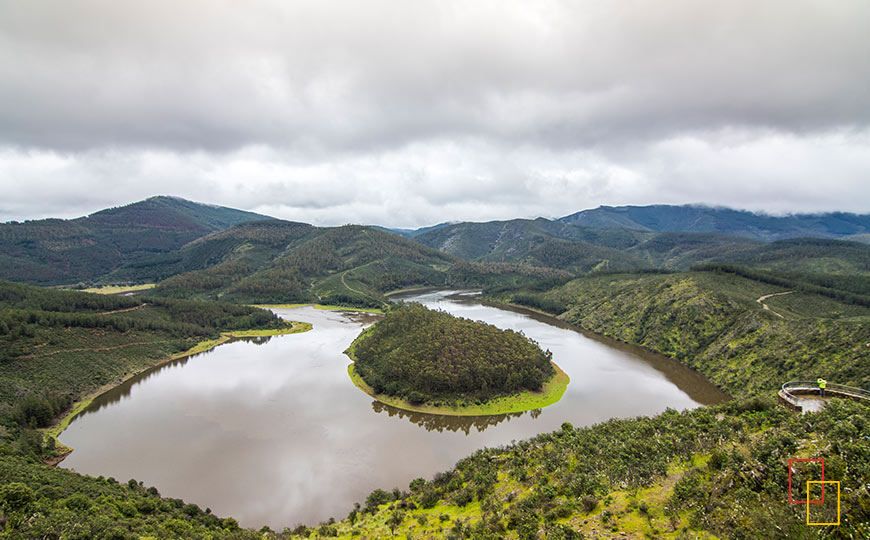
(410, 114)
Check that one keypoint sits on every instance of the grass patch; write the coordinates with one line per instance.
(552, 392)
(119, 289)
(296, 328)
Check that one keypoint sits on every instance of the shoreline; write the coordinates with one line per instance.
(612, 342)
(62, 422)
(326, 307)
(529, 400)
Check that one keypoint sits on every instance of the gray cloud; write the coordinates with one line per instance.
(411, 113)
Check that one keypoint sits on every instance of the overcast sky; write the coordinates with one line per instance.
(412, 113)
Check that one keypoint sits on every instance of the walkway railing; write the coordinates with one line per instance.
(793, 389)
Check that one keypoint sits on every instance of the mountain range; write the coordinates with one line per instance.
(202, 251)
(705, 219)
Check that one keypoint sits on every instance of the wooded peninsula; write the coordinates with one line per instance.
(420, 359)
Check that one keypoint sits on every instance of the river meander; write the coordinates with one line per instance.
(273, 432)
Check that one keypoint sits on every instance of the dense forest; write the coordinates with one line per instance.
(427, 356)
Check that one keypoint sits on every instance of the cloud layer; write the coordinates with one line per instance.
(407, 114)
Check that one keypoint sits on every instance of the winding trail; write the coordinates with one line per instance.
(761, 300)
(93, 349)
(343, 282)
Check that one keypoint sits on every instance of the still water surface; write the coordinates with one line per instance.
(273, 432)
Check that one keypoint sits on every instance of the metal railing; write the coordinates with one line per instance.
(837, 389)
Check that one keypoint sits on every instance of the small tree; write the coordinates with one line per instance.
(395, 519)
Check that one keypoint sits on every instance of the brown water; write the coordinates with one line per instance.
(272, 431)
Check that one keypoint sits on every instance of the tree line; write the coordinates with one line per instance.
(847, 289)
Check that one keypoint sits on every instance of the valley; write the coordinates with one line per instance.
(655, 323)
(267, 422)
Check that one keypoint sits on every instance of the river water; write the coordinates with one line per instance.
(273, 432)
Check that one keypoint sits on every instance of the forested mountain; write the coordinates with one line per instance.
(162, 237)
(582, 250)
(281, 261)
(57, 251)
(691, 218)
(538, 242)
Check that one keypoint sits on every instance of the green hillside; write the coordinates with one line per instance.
(291, 262)
(249, 245)
(713, 472)
(807, 255)
(56, 251)
(516, 240)
(712, 322)
(62, 345)
(863, 238)
(680, 251)
(285, 262)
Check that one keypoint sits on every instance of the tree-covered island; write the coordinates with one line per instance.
(431, 361)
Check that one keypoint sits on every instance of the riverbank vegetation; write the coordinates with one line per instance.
(57, 348)
(712, 321)
(550, 393)
(66, 344)
(712, 472)
(431, 357)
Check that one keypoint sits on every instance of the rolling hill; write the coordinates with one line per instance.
(286, 262)
(281, 261)
(57, 251)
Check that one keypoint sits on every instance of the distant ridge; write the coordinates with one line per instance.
(697, 218)
(411, 233)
